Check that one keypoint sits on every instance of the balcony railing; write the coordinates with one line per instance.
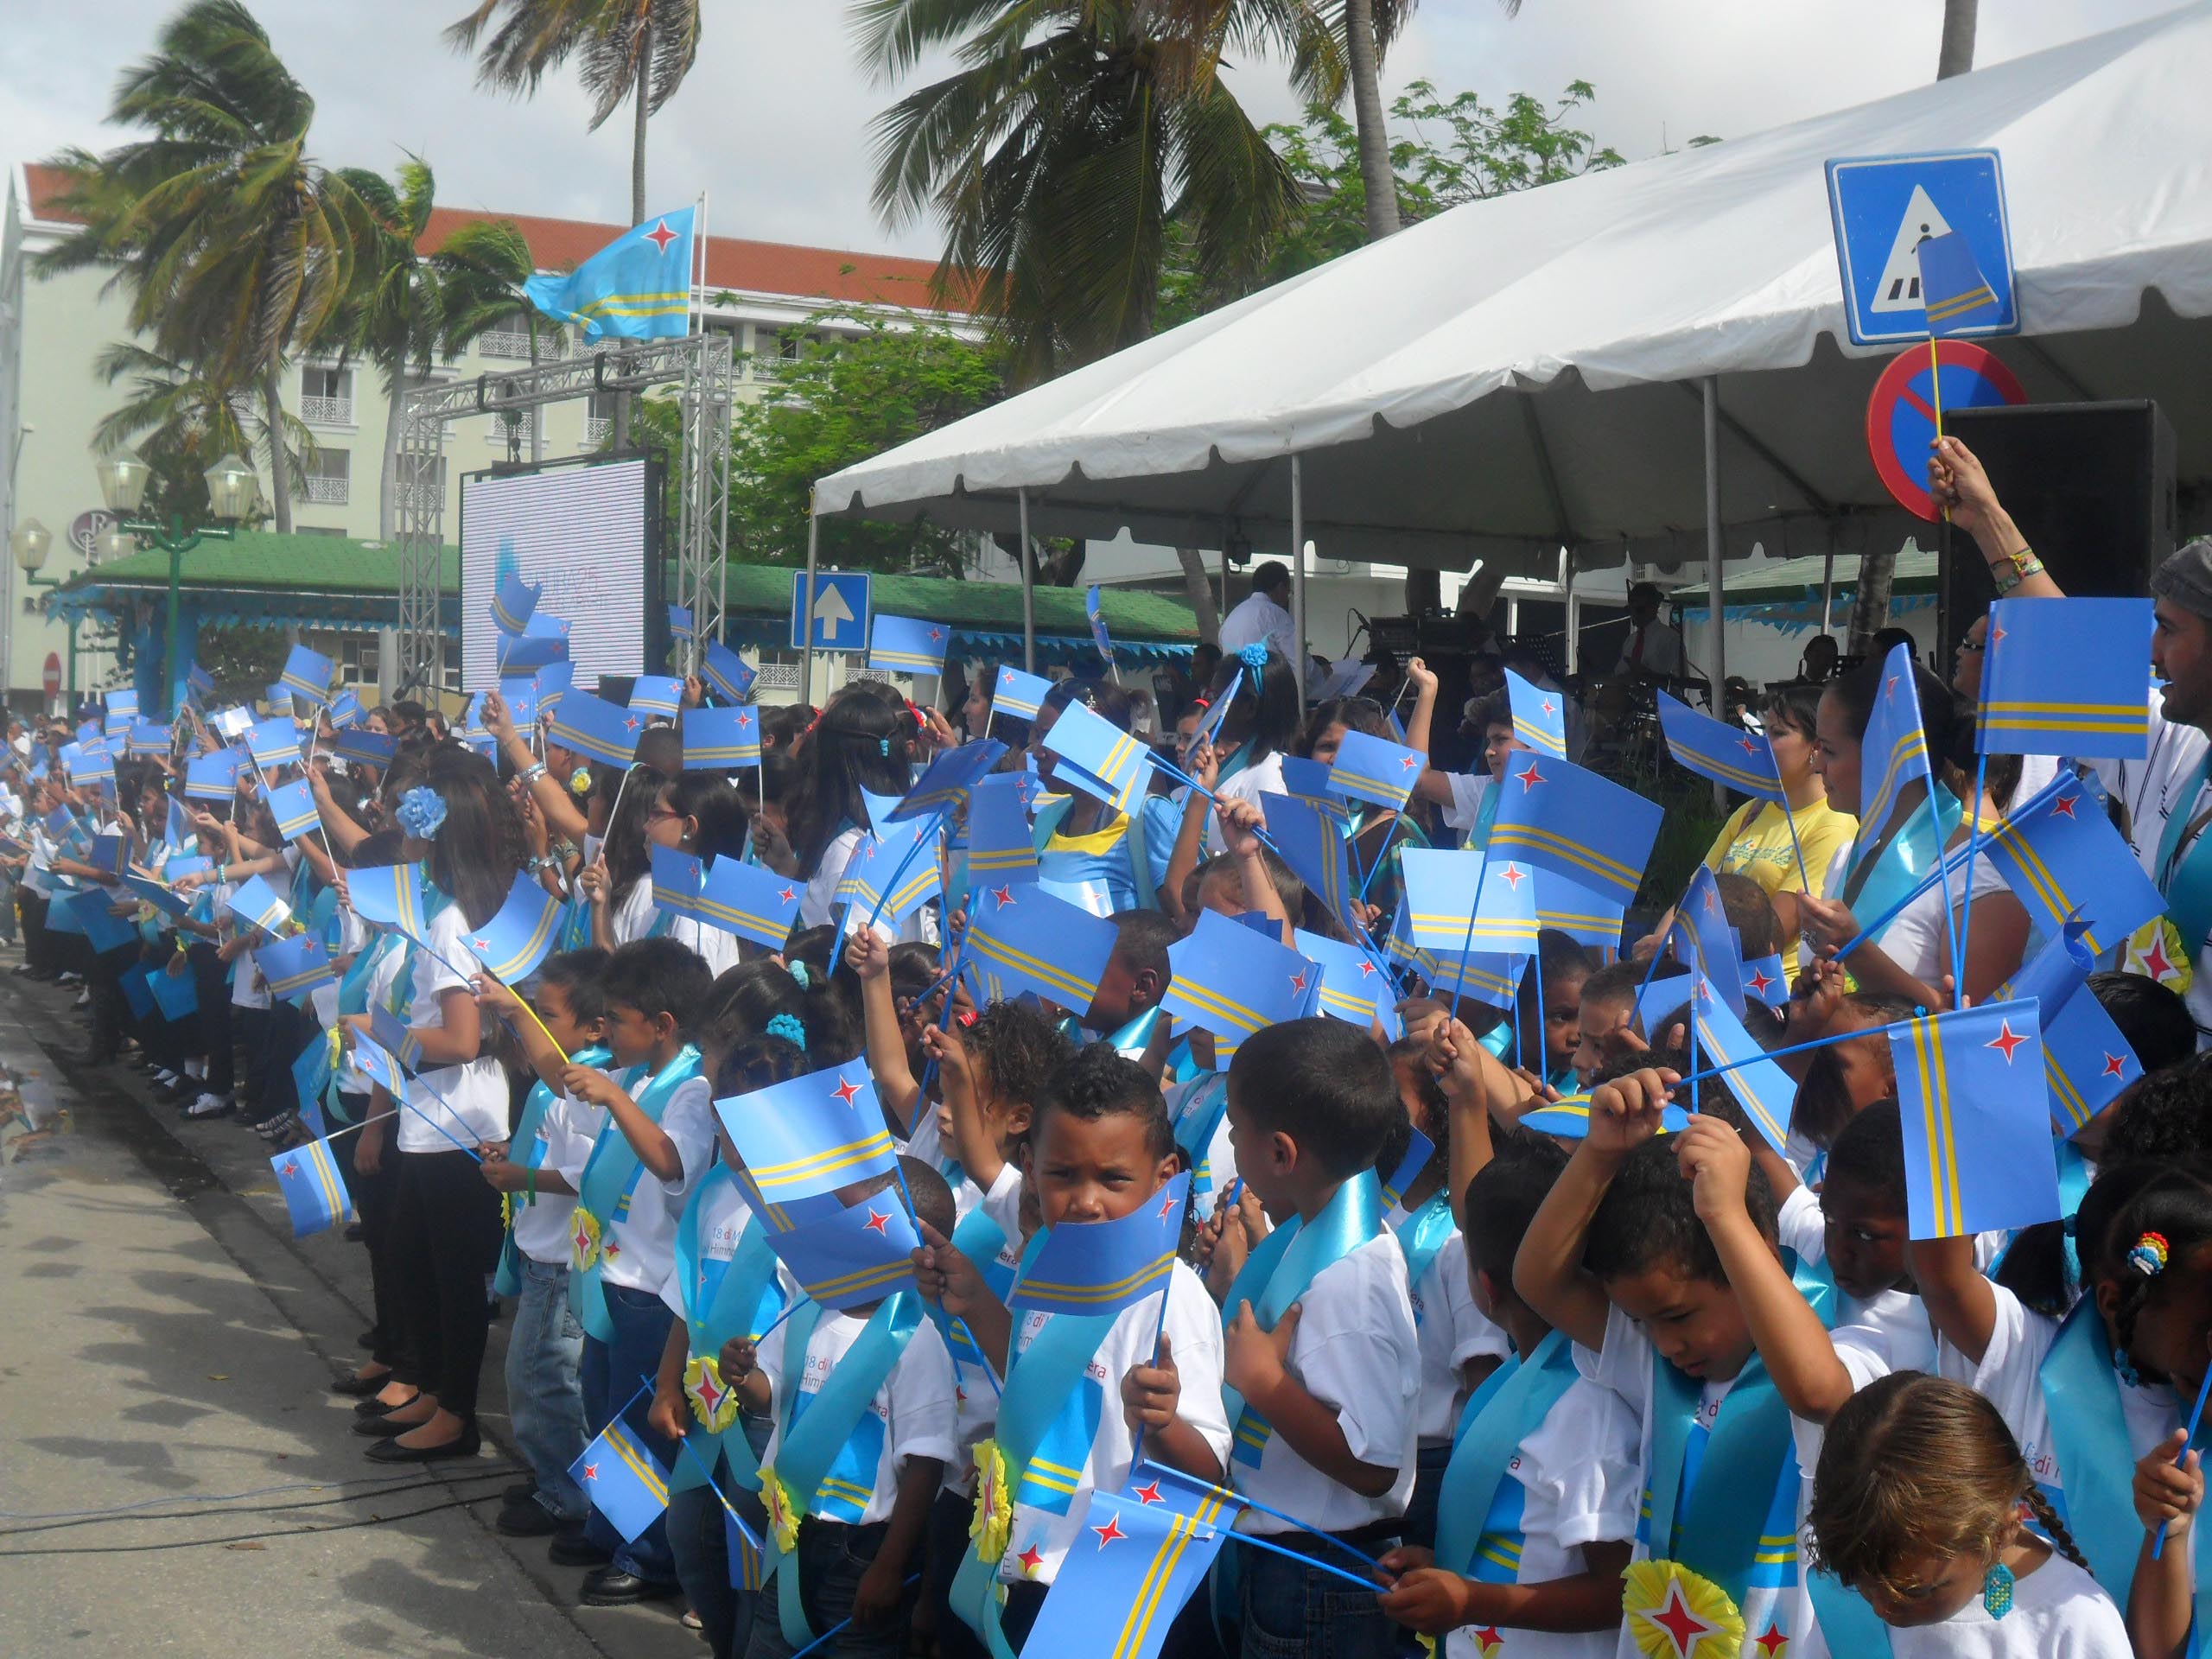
(596, 429)
(325, 491)
(779, 677)
(515, 343)
(769, 366)
(327, 411)
(420, 498)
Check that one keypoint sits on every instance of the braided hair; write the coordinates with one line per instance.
(2148, 1242)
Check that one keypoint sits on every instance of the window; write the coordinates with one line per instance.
(327, 475)
(772, 349)
(358, 658)
(599, 418)
(320, 530)
(325, 394)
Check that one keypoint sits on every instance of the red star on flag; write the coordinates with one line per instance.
(2005, 1041)
(1549, 707)
(1758, 983)
(744, 721)
(1996, 634)
(2155, 958)
(1772, 1642)
(936, 635)
(846, 1090)
(787, 895)
(1406, 760)
(1366, 967)
(1683, 1628)
(2063, 807)
(1513, 875)
(1747, 746)
(1530, 779)
(1004, 896)
(591, 1472)
(1006, 678)
(877, 1220)
(1148, 1494)
(631, 723)
(1166, 1205)
(1889, 685)
(2115, 1065)
(1111, 1533)
(1031, 1559)
(660, 236)
(1298, 983)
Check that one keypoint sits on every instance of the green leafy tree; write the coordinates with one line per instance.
(234, 246)
(181, 424)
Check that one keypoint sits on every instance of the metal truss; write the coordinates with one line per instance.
(702, 365)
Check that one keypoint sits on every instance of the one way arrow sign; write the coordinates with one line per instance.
(841, 605)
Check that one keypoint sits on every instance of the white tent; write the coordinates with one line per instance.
(1610, 308)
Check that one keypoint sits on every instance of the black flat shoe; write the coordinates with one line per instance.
(467, 1446)
(383, 1428)
(612, 1587)
(362, 1387)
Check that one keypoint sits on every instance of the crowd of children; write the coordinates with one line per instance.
(1485, 1328)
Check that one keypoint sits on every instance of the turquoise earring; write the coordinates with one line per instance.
(1997, 1590)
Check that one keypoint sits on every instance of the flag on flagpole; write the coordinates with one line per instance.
(1371, 769)
(1893, 752)
(722, 739)
(725, 671)
(2086, 1062)
(680, 625)
(851, 1254)
(750, 900)
(1539, 716)
(213, 777)
(891, 872)
(293, 806)
(1309, 781)
(623, 1479)
(1228, 980)
(1575, 909)
(1713, 951)
(1019, 694)
(1103, 1267)
(1000, 846)
(1021, 938)
(656, 694)
(637, 287)
(1093, 607)
(810, 1135)
(1308, 842)
(907, 644)
(147, 739)
(1142, 1553)
(291, 966)
(520, 934)
(1761, 1087)
(512, 602)
(1977, 1139)
(274, 741)
(390, 895)
(1557, 816)
(1442, 895)
(255, 902)
(313, 1191)
(544, 641)
(951, 775)
(1098, 758)
(678, 878)
(2065, 677)
(1353, 988)
(1742, 760)
(359, 743)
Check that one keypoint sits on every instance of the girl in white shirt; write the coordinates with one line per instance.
(862, 745)
(1916, 1514)
(697, 812)
(446, 1227)
(1254, 734)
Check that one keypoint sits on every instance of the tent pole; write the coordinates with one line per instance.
(1566, 605)
(1028, 591)
(1298, 574)
(1828, 588)
(806, 615)
(1716, 565)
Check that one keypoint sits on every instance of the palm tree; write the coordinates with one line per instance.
(1955, 56)
(1057, 155)
(625, 48)
(234, 246)
(182, 422)
(1368, 28)
(483, 265)
(408, 304)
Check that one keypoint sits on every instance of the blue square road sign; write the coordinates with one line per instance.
(1885, 206)
(841, 601)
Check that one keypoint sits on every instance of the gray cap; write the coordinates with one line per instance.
(2186, 577)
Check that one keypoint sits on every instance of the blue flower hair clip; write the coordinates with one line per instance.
(787, 1026)
(422, 810)
(798, 973)
(1254, 657)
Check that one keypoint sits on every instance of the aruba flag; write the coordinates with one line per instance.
(595, 728)
(520, 935)
(1099, 757)
(291, 966)
(1229, 981)
(623, 1479)
(512, 602)
(1954, 294)
(308, 673)
(1977, 1132)
(1893, 753)
(678, 878)
(2086, 1062)
(1712, 749)
(1143, 1551)
(390, 895)
(1560, 817)
(637, 287)
(1539, 716)
(1372, 769)
(2063, 860)
(717, 740)
(1019, 694)
(1762, 1088)
(1103, 1267)
(1445, 888)
(656, 694)
(951, 775)
(1000, 847)
(809, 1134)
(2065, 677)
(1024, 940)
(1307, 840)
(851, 1254)
(726, 670)
(313, 1192)
(907, 644)
(749, 901)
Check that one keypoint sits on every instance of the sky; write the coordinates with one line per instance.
(773, 120)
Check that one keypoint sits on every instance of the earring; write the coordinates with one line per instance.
(1997, 1590)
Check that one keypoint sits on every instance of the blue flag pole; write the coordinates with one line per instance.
(1789, 817)
(1459, 975)
(708, 1474)
(2196, 1417)
(1958, 934)
(912, 1579)
(1793, 1048)
(1370, 1585)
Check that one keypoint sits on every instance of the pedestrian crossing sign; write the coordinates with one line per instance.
(1884, 207)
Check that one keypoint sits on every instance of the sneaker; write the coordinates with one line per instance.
(71, 978)
(166, 1077)
(83, 1000)
(211, 1106)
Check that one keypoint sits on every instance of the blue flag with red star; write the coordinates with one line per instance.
(595, 728)
(1103, 1267)
(1019, 694)
(623, 1479)
(906, 645)
(2065, 862)
(295, 965)
(948, 779)
(656, 694)
(1229, 981)
(1097, 757)
(1307, 841)
(1539, 716)
(678, 879)
(1000, 846)
(1021, 938)
(520, 935)
(1712, 749)
(750, 900)
(1893, 753)
(722, 739)
(313, 1191)
(2086, 1062)
(726, 671)
(1560, 817)
(2065, 677)
(1142, 1555)
(809, 1134)
(851, 1254)
(1977, 1135)
(1370, 769)
(1447, 888)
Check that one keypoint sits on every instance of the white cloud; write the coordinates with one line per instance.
(774, 119)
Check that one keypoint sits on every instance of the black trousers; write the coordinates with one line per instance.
(213, 1038)
(38, 943)
(445, 1237)
(373, 1197)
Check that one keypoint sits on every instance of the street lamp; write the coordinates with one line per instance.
(233, 493)
(29, 545)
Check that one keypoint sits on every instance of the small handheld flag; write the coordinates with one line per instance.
(1442, 895)
(850, 1255)
(1370, 769)
(520, 935)
(2064, 861)
(512, 602)
(1103, 1267)
(620, 1476)
(359, 743)
(1306, 839)
(1893, 753)
(721, 739)
(545, 641)
(680, 625)
(1761, 1087)
(1977, 1134)
(1353, 988)
(390, 895)
(595, 728)
(176, 995)
(313, 1192)
(1558, 816)
(213, 777)
(1311, 782)
(1137, 1560)
(948, 778)
(890, 873)
(1021, 938)
(254, 901)
(1713, 943)
(1098, 758)
(2086, 1061)
(1954, 295)
(1000, 847)
(905, 645)
(1230, 981)
(2065, 677)
(750, 900)
(1019, 694)
(1729, 755)
(656, 694)
(295, 809)
(677, 878)
(274, 741)
(345, 709)
(725, 671)
(810, 1135)
(637, 287)
(1539, 716)
(1094, 608)
(552, 680)
(150, 739)
(291, 966)
(1575, 909)
(308, 673)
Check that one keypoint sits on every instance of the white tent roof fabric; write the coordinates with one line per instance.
(1523, 373)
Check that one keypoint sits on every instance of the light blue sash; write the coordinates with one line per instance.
(811, 1443)
(1277, 1273)
(1908, 859)
(2089, 1436)
(722, 1299)
(610, 1175)
(2186, 879)
(526, 1146)
(1196, 1123)
(981, 1240)
(1423, 1235)
(1510, 1406)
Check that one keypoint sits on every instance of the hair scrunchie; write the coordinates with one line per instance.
(422, 810)
(798, 972)
(787, 1026)
(1254, 657)
(2148, 1255)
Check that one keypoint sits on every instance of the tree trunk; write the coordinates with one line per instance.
(1197, 587)
(279, 483)
(637, 193)
(388, 487)
(1956, 55)
(1870, 610)
(1375, 170)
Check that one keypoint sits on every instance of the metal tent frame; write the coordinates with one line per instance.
(703, 365)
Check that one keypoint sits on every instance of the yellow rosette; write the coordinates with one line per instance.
(583, 1240)
(1674, 1613)
(713, 1402)
(783, 1514)
(993, 1525)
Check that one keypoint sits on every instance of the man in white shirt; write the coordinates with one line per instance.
(1262, 618)
(1652, 650)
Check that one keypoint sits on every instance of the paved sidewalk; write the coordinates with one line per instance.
(168, 1343)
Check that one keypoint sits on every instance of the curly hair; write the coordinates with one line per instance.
(1095, 1083)
(1646, 1219)
(1019, 1050)
(1913, 1467)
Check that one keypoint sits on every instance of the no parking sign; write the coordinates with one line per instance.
(1901, 415)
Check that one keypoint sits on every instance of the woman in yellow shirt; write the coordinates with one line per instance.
(1756, 841)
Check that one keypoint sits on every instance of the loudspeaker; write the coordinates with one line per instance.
(2091, 487)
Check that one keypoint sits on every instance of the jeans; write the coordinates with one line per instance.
(611, 1373)
(699, 1542)
(948, 1540)
(1291, 1610)
(832, 1557)
(545, 1397)
(1428, 1487)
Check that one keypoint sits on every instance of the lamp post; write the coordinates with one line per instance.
(232, 491)
(29, 544)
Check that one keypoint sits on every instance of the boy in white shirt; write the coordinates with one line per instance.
(855, 1539)
(1320, 1347)
(659, 1139)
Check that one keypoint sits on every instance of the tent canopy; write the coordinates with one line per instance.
(1523, 373)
